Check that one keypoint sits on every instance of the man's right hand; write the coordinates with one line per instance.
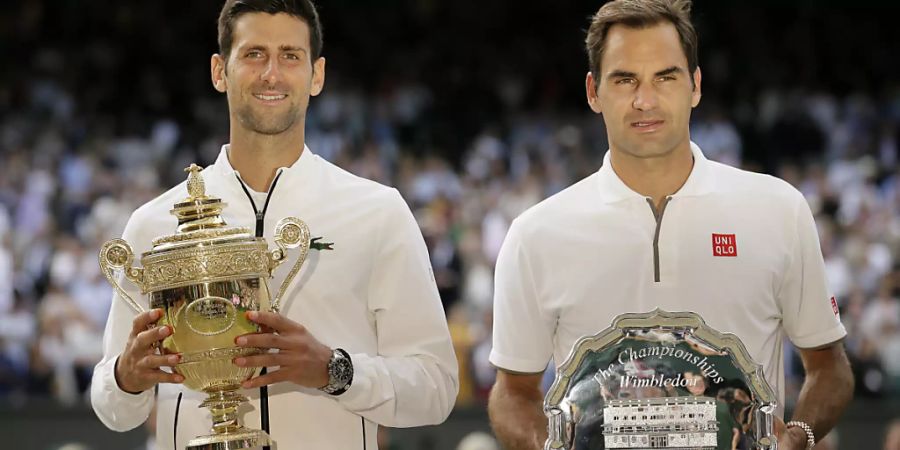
(138, 367)
(515, 411)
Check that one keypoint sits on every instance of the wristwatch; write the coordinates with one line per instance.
(340, 373)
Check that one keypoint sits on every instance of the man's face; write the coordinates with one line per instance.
(644, 90)
(269, 75)
(696, 383)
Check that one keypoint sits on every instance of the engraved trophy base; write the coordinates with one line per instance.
(242, 438)
(227, 434)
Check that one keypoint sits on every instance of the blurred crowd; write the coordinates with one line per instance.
(89, 132)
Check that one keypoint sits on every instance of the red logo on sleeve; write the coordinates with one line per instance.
(834, 307)
(724, 245)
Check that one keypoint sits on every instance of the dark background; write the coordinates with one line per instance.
(474, 110)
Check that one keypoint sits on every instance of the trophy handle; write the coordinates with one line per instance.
(765, 425)
(556, 429)
(117, 254)
(290, 233)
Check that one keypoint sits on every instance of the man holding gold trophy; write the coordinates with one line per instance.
(700, 268)
(352, 334)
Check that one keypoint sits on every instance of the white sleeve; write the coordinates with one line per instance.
(413, 380)
(523, 334)
(809, 312)
(117, 409)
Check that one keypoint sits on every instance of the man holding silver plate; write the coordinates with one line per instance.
(662, 285)
(353, 334)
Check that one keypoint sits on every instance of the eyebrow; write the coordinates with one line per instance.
(669, 71)
(661, 73)
(284, 48)
(291, 48)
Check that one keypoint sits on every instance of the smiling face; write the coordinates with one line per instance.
(269, 75)
(644, 91)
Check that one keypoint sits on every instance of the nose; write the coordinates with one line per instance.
(271, 73)
(645, 97)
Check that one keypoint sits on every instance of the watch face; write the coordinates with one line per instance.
(342, 371)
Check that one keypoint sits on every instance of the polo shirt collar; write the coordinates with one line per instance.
(613, 189)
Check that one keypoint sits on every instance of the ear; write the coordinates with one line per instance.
(695, 96)
(217, 72)
(318, 78)
(590, 87)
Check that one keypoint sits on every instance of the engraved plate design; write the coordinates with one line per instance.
(660, 380)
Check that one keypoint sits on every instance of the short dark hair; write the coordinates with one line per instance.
(301, 9)
(641, 14)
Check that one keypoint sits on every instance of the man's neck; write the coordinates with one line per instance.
(257, 157)
(654, 178)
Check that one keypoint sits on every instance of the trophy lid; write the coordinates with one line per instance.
(199, 218)
(203, 248)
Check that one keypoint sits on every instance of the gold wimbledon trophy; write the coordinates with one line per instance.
(205, 277)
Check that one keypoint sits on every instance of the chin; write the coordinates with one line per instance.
(268, 125)
(644, 151)
(653, 146)
(271, 131)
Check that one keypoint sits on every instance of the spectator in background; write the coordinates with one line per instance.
(6, 263)
(880, 326)
(18, 329)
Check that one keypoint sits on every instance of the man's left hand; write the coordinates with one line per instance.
(300, 357)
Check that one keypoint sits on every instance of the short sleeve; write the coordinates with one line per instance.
(523, 334)
(809, 312)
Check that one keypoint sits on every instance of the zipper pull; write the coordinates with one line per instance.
(260, 223)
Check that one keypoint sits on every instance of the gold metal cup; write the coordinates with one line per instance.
(205, 278)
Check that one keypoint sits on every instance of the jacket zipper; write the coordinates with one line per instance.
(658, 215)
(363, 421)
(260, 214)
(175, 427)
(260, 228)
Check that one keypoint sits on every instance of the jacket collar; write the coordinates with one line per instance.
(301, 169)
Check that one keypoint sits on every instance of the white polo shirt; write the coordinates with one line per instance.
(739, 248)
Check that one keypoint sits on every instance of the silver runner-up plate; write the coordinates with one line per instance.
(660, 380)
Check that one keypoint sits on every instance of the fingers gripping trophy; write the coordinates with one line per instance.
(205, 278)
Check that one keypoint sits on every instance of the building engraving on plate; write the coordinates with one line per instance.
(674, 423)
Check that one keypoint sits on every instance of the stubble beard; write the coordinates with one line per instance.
(276, 124)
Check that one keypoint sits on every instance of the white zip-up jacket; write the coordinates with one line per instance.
(373, 295)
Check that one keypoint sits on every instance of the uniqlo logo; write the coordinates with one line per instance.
(834, 307)
(724, 245)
